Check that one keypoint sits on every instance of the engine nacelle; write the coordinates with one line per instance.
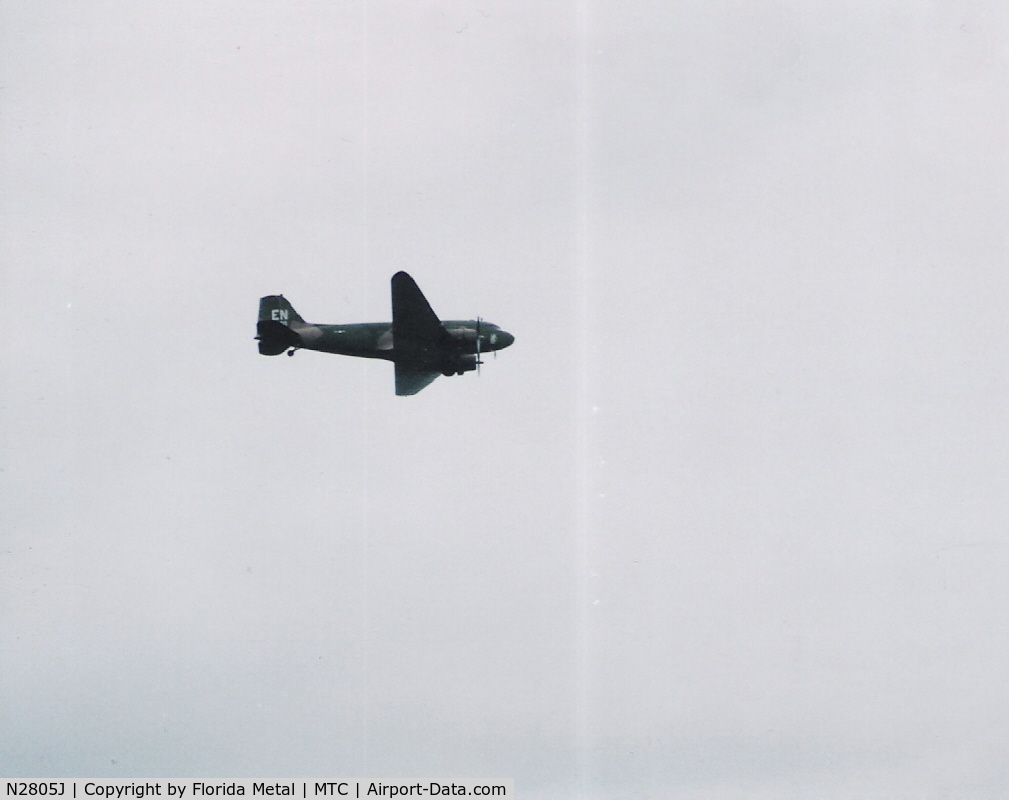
(460, 364)
(463, 334)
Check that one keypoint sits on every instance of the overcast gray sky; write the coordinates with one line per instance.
(728, 520)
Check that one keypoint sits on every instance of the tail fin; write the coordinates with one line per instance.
(273, 328)
(276, 308)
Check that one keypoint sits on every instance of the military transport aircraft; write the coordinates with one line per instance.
(421, 346)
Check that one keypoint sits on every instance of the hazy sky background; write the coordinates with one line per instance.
(728, 520)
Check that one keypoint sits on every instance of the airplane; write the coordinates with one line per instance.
(420, 345)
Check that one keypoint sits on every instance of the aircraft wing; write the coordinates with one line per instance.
(415, 326)
(419, 339)
(410, 380)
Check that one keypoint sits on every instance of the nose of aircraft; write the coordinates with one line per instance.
(505, 339)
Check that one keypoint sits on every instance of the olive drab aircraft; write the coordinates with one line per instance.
(420, 345)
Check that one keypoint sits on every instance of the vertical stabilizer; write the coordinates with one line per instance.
(275, 308)
(273, 330)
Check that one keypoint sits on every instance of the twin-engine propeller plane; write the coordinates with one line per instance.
(420, 345)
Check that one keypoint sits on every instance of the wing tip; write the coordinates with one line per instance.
(412, 381)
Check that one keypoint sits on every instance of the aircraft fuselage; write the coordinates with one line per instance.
(375, 339)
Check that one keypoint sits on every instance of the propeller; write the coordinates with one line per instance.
(478, 361)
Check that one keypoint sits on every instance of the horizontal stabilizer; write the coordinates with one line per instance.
(275, 337)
